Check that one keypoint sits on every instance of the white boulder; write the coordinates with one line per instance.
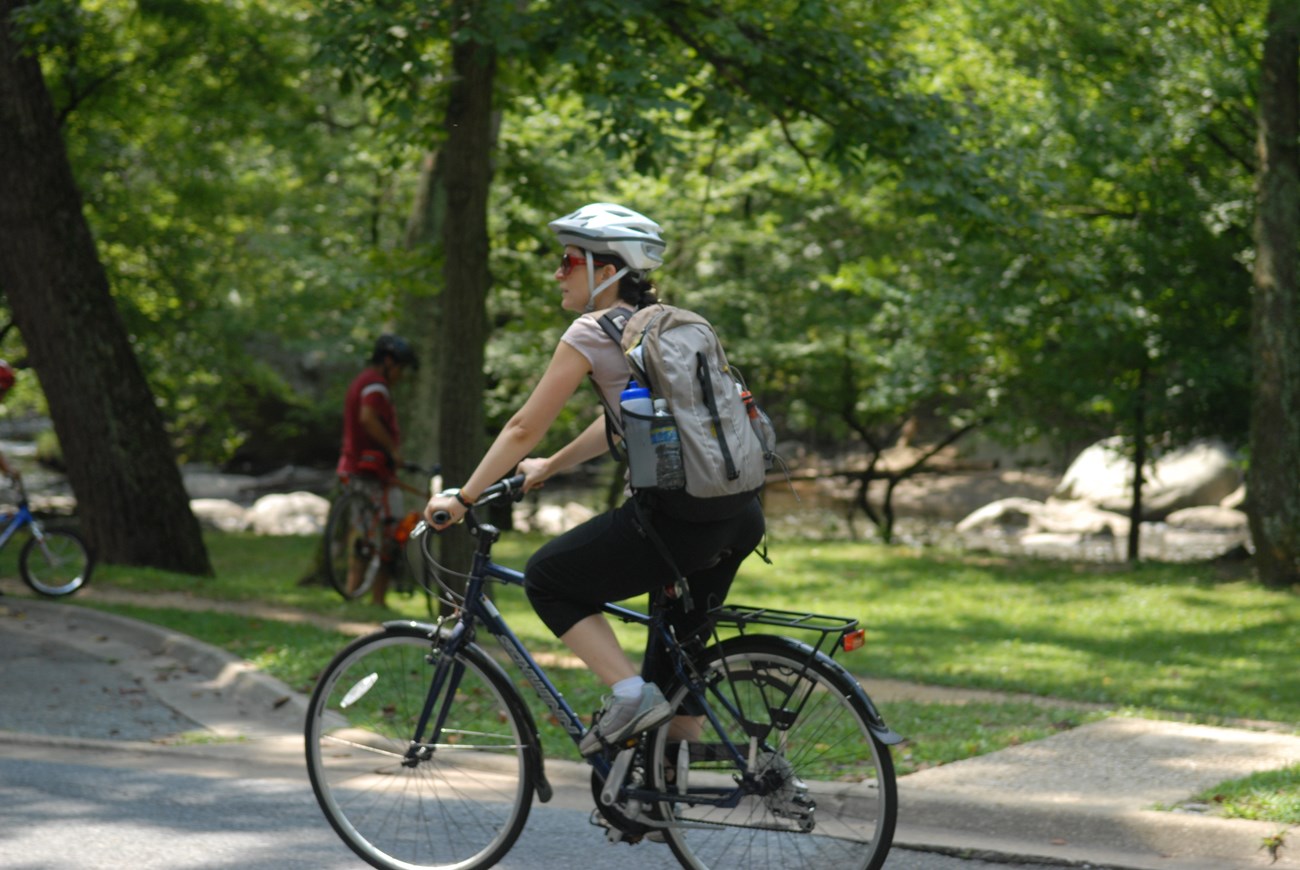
(1202, 473)
(291, 513)
(551, 519)
(1005, 513)
(1237, 500)
(220, 513)
(1053, 517)
(1207, 518)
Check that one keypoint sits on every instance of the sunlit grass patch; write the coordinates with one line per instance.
(1271, 796)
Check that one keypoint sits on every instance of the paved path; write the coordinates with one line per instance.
(1084, 797)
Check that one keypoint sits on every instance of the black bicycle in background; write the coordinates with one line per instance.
(423, 754)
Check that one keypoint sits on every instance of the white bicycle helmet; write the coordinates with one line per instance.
(606, 228)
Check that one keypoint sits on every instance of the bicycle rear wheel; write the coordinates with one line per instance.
(817, 788)
(55, 562)
(458, 803)
(353, 542)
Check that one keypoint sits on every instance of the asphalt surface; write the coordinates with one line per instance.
(1087, 797)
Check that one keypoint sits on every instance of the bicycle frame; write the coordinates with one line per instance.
(478, 610)
(439, 767)
(15, 521)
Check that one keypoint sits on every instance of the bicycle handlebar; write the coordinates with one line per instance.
(510, 486)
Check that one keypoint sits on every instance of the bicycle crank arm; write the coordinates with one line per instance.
(617, 773)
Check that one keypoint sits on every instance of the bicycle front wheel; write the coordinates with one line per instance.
(798, 781)
(457, 801)
(353, 542)
(55, 562)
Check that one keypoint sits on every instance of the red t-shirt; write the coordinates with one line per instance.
(367, 389)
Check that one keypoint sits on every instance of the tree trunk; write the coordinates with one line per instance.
(1274, 476)
(463, 328)
(130, 499)
(421, 314)
(1139, 466)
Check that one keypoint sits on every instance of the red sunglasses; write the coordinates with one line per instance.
(568, 261)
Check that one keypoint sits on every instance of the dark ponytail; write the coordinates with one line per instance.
(634, 288)
(637, 290)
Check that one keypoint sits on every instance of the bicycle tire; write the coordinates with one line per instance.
(354, 529)
(55, 562)
(829, 797)
(464, 805)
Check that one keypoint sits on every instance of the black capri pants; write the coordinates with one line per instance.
(610, 558)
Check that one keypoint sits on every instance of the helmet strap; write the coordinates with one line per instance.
(595, 289)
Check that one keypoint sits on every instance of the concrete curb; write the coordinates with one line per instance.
(212, 687)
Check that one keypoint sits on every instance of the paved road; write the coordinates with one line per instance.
(80, 743)
(86, 697)
(174, 808)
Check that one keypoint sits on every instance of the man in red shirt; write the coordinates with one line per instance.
(372, 439)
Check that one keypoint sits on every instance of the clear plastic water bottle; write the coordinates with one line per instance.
(637, 412)
(669, 470)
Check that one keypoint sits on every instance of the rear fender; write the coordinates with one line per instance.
(875, 722)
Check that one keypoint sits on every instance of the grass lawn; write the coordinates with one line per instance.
(1191, 641)
(1272, 795)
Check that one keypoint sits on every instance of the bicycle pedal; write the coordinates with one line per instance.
(613, 834)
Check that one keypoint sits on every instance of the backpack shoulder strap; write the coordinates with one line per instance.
(614, 322)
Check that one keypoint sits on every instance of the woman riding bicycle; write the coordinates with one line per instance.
(608, 253)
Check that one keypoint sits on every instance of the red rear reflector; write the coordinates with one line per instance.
(854, 640)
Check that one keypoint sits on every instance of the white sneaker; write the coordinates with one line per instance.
(621, 718)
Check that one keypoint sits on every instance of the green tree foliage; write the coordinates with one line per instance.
(1034, 217)
(1134, 270)
(238, 204)
(647, 85)
(133, 507)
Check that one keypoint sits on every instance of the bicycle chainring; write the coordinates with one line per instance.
(629, 830)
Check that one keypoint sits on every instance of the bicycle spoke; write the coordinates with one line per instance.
(54, 561)
(815, 787)
(459, 800)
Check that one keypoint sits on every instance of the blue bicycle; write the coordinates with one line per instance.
(53, 561)
(423, 754)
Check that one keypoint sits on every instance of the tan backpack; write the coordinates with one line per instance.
(727, 442)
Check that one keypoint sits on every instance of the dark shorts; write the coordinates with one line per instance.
(610, 558)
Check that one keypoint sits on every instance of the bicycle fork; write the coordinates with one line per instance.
(38, 534)
(442, 693)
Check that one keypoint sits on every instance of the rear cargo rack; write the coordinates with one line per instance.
(741, 617)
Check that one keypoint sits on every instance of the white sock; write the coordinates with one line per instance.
(629, 688)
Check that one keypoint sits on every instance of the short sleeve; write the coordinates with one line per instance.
(604, 355)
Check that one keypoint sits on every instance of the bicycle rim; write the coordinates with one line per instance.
(352, 542)
(58, 563)
(464, 805)
(827, 796)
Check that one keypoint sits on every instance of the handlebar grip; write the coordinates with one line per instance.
(441, 518)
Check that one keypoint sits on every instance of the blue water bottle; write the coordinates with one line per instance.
(637, 412)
